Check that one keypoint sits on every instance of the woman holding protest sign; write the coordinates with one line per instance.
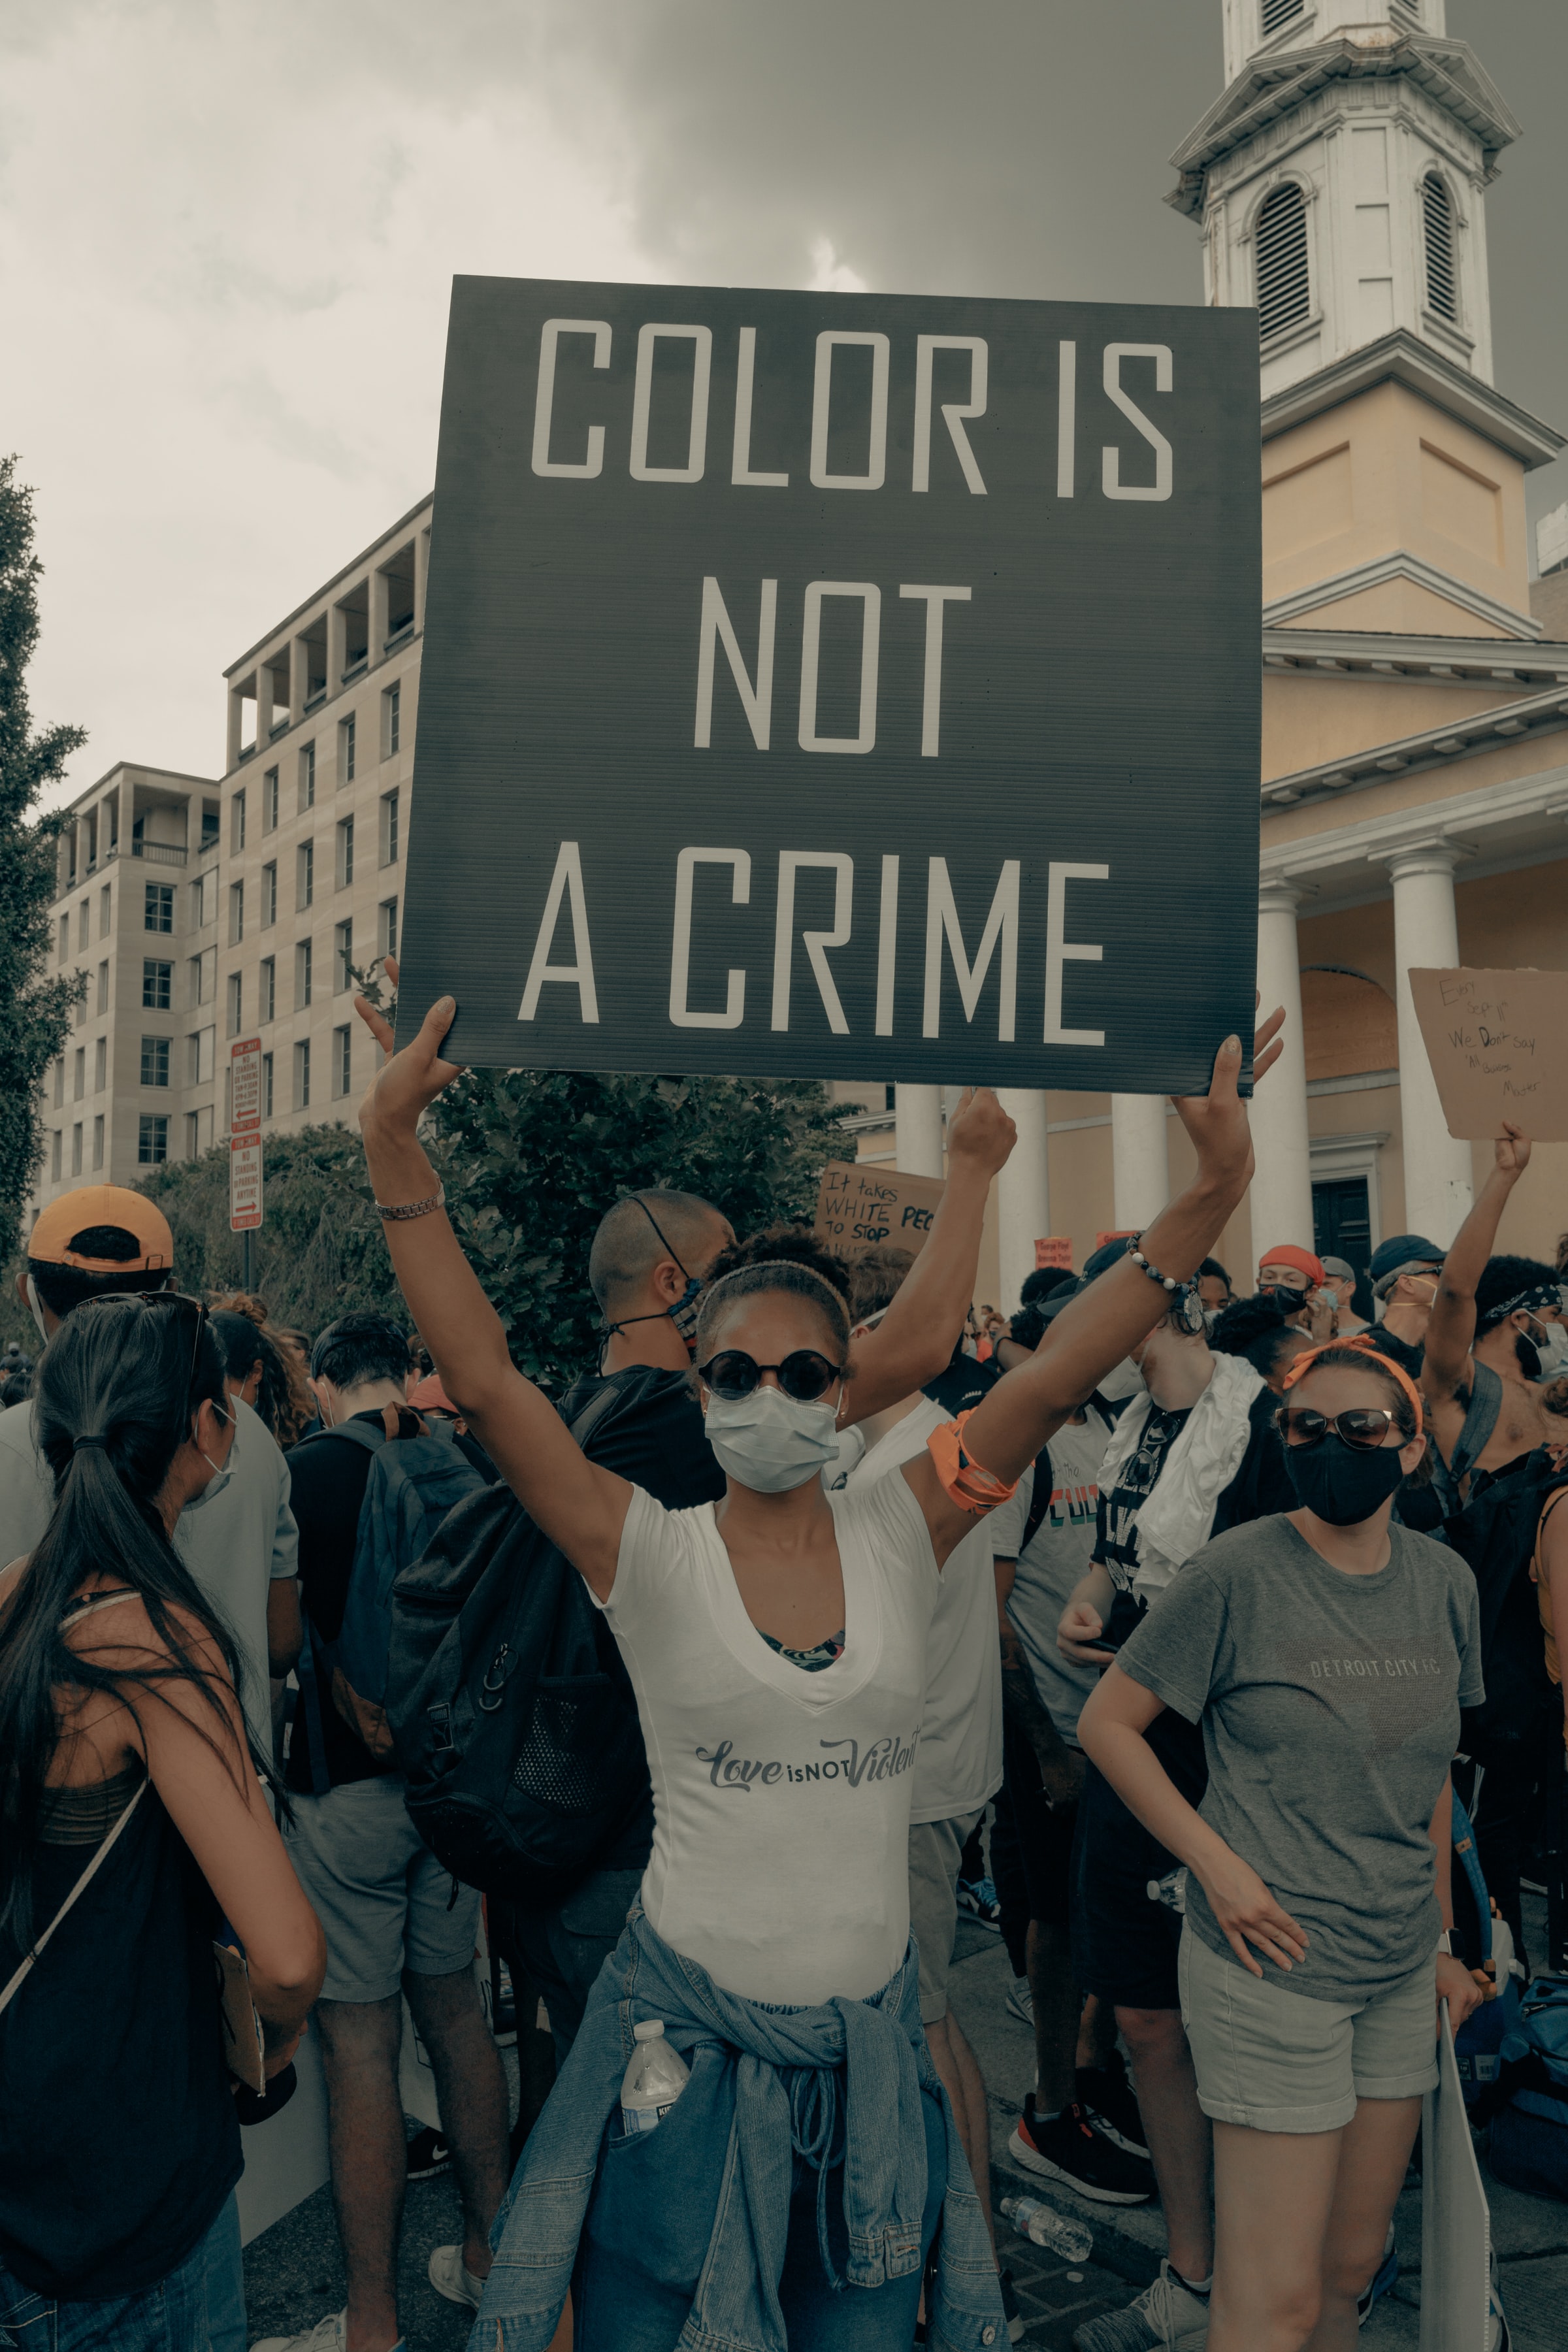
(772, 1936)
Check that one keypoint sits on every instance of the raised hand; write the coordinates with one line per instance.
(1511, 1152)
(980, 1130)
(1217, 1121)
(406, 1083)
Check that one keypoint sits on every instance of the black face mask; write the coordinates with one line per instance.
(1288, 1302)
(1342, 1483)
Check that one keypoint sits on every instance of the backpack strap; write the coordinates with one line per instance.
(588, 1416)
(358, 1432)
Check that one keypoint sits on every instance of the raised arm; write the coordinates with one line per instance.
(917, 1335)
(1082, 1344)
(579, 1506)
(1451, 1333)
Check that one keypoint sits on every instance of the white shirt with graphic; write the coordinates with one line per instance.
(781, 1798)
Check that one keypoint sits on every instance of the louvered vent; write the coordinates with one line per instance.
(1284, 289)
(1279, 12)
(1442, 285)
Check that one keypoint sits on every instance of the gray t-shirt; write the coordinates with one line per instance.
(1330, 1707)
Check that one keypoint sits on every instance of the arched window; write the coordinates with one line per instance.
(1279, 12)
(1284, 288)
(1441, 277)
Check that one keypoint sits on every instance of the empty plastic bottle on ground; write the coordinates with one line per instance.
(656, 2076)
(1046, 2228)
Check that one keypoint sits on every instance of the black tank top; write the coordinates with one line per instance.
(118, 2138)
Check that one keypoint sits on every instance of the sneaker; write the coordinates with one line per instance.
(429, 2153)
(329, 2334)
(978, 1897)
(1068, 2148)
(1021, 2001)
(1166, 2317)
(450, 2276)
(1014, 2319)
(1385, 2277)
(1108, 2099)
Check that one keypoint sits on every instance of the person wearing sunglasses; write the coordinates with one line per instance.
(1326, 1654)
(771, 1939)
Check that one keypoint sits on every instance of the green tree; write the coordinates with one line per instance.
(35, 1011)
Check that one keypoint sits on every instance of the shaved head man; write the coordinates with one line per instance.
(649, 1259)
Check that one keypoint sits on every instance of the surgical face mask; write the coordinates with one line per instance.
(1124, 1380)
(1549, 1341)
(35, 1303)
(221, 1471)
(1343, 1484)
(770, 1442)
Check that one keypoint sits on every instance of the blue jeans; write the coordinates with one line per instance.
(169, 2317)
(648, 2228)
(226, 2329)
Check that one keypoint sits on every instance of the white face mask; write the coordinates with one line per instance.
(770, 1442)
(35, 1302)
(222, 1471)
(1549, 1341)
(1124, 1380)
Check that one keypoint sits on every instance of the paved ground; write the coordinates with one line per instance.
(294, 2271)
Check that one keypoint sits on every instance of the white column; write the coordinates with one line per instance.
(1439, 1193)
(1282, 1196)
(236, 719)
(917, 1133)
(1142, 1183)
(1022, 1192)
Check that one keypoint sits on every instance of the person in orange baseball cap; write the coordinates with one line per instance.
(100, 1238)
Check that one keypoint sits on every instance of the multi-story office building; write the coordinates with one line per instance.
(137, 915)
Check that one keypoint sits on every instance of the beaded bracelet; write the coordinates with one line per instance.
(413, 1208)
(1165, 1281)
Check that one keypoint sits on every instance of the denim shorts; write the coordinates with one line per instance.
(1284, 2061)
(383, 1901)
(169, 2317)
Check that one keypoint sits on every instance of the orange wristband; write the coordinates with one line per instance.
(964, 1481)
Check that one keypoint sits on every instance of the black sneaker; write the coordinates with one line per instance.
(429, 2153)
(1071, 2150)
(1108, 2101)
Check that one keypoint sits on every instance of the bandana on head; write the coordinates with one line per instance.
(1539, 1295)
(1301, 1260)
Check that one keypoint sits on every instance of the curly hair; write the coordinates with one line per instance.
(283, 1402)
(797, 1243)
(758, 1279)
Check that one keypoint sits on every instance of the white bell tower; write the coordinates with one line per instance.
(1340, 182)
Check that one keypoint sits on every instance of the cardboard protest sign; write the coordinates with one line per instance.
(859, 1208)
(1055, 1250)
(1498, 1044)
(825, 683)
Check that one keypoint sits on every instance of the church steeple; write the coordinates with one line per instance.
(1340, 182)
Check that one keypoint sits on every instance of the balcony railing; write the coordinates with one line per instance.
(158, 853)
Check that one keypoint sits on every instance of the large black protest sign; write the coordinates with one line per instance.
(843, 684)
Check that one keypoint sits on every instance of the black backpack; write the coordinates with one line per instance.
(513, 1719)
(1495, 1534)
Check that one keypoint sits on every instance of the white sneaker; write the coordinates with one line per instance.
(1164, 2316)
(450, 2276)
(329, 2334)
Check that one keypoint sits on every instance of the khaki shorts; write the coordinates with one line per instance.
(936, 1849)
(1282, 2062)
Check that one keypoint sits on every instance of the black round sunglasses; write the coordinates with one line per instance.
(803, 1375)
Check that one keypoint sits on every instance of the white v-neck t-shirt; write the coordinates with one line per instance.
(780, 1857)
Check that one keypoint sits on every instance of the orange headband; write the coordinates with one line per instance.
(1362, 1346)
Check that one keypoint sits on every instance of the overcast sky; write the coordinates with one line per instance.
(227, 232)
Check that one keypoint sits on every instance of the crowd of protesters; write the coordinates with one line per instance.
(1138, 1627)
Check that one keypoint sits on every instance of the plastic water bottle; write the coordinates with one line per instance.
(1171, 1890)
(656, 2076)
(1046, 2227)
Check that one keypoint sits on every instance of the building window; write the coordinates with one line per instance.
(267, 1085)
(212, 825)
(103, 988)
(76, 1148)
(59, 1082)
(388, 852)
(348, 738)
(157, 984)
(152, 1139)
(306, 778)
(81, 926)
(105, 910)
(392, 719)
(345, 853)
(1279, 12)
(100, 1066)
(303, 1075)
(303, 963)
(78, 1075)
(1441, 277)
(269, 894)
(204, 976)
(204, 896)
(386, 927)
(236, 1002)
(267, 1000)
(66, 931)
(304, 875)
(154, 1061)
(235, 913)
(202, 1057)
(343, 957)
(1284, 280)
(97, 1140)
(159, 915)
(343, 1059)
(237, 824)
(269, 801)
(56, 1144)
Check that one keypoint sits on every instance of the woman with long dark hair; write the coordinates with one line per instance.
(133, 1824)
